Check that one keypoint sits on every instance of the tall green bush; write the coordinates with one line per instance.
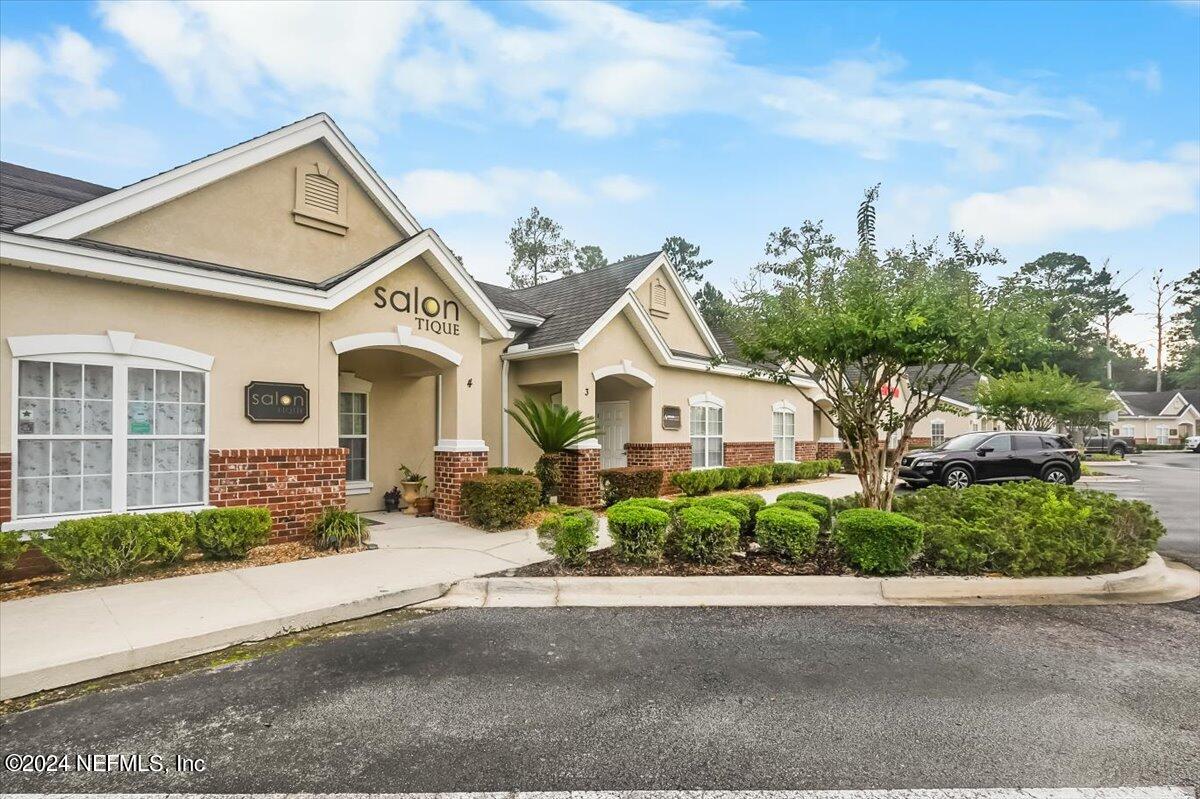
(627, 482)
(497, 501)
(230, 533)
(877, 541)
(703, 535)
(638, 532)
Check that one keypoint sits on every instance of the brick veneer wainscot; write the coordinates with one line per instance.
(581, 478)
(677, 456)
(295, 484)
(449, 471)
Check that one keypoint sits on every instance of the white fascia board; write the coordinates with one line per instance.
(70, 258)
(521, 352)
(1163, 412)
(164, 187)
(1115, 395)
(689, 305)
(517, 318)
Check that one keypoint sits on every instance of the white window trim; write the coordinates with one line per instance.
(783, 406)
(350, 383)
(932, 422)
(707, 400)
(122, 351)
(1127, 431)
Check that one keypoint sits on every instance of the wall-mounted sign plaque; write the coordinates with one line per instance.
(671, 417)
(276, 402)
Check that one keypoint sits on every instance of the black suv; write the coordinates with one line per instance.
(984, 457)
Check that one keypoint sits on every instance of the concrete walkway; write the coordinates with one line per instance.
(59, 639)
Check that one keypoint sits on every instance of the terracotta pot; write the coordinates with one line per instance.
(412, 491)
(424, 506)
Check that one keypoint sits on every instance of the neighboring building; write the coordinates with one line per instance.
(1164, 418)
(270, 325)
(958, 414)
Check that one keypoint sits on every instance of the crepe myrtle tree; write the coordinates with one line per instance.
(1042, 399)
(858, 325)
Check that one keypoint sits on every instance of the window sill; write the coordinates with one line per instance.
(356, 487)
(47, 522)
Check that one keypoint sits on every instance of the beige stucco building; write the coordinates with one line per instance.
(1162, 418)
(270, 325)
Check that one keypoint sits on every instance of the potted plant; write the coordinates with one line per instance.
(554, 429)
(391, 500)
(411, 482)
(425, 505)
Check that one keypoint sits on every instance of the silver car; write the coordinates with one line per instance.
(1192, 444)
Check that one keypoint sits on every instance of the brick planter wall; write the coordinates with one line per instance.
(449, 471)
(581, 478)
(671, 458)
(296, 484)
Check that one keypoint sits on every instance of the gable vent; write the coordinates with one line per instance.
(658, 299)
(321, 192)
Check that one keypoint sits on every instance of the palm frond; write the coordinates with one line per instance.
(553, 428)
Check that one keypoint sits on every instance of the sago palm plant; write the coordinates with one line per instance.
(553, 429)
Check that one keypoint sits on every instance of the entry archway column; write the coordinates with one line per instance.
(460, 453)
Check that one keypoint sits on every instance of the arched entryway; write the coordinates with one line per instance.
(623, 410)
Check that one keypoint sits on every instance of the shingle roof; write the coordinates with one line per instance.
(29, 194)
(573, 303)
(961, 390)
(506, 299)
(1151, 403)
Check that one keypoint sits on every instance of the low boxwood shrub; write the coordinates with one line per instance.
(569, 535)
(784, 472)
(627, 482)
(638, 533)
(818, 512)
(878, 541)
(758, 476)
(839, 504)
(336, 528)
(738, 510)
(703, 535)
(171, 535)
(11, 547)
(808, 496)
(698, 482)
(753, 502)
(1031, 528)
(111, 546)
(230, 533)
(786, 532)
(733, 477)
(505, 470)
(496, 501)
(663, 505)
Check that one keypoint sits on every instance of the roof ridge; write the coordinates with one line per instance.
(597, 271)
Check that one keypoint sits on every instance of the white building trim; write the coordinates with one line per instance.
(689, 305)
(460, 445)
(625, 369)
(783, 405)
(115, 342)
(401, 337)
(707, 398)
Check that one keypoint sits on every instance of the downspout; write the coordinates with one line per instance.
(504, 412)
(437, 411)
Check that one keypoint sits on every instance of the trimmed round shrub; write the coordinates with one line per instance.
(627, 482)
(808, 496)
(786, 532)
(703, 535)
(737, 510)
(818, 512)
(171, 535)
(505, 470)
(663, 505)
(638, 533)
(230, 533)
(569, 535)
(497, 501)
(877, 541)
(753, 502)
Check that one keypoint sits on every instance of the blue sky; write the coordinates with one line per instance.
(1041, 126)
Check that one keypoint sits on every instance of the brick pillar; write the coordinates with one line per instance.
(450, 468)
(581, 478)
(6, 478)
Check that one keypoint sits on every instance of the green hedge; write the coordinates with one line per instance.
(876, 541)
(110, 546)
(569, 535)
(698, 483)
(818, 512)
(230, 533)
(703, 535)
(628, 482)
(638, 531)
(1031, 528)
(726, 504)
(786, 533)
(11, 547)
(496, 501)
(808, 496)
(506, 470)
(753, 502)
(663, 505)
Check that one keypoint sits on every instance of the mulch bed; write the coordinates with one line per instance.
(602, 564)
(193, 563)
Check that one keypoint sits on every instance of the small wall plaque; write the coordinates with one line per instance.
(276, 402)
(672, 417)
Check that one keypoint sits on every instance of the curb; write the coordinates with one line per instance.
(129, 657)
(1152, 583)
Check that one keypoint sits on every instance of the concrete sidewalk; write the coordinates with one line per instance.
(60, 639)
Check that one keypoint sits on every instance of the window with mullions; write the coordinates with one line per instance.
(708, 436)
(783, 431)
(352, 433)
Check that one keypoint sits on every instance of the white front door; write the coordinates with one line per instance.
(612, 431)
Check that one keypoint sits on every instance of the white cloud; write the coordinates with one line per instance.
(623, 188)
(595, 68)
(500, 190)
(1148, 76)
(1102, 194)
(67, 71)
